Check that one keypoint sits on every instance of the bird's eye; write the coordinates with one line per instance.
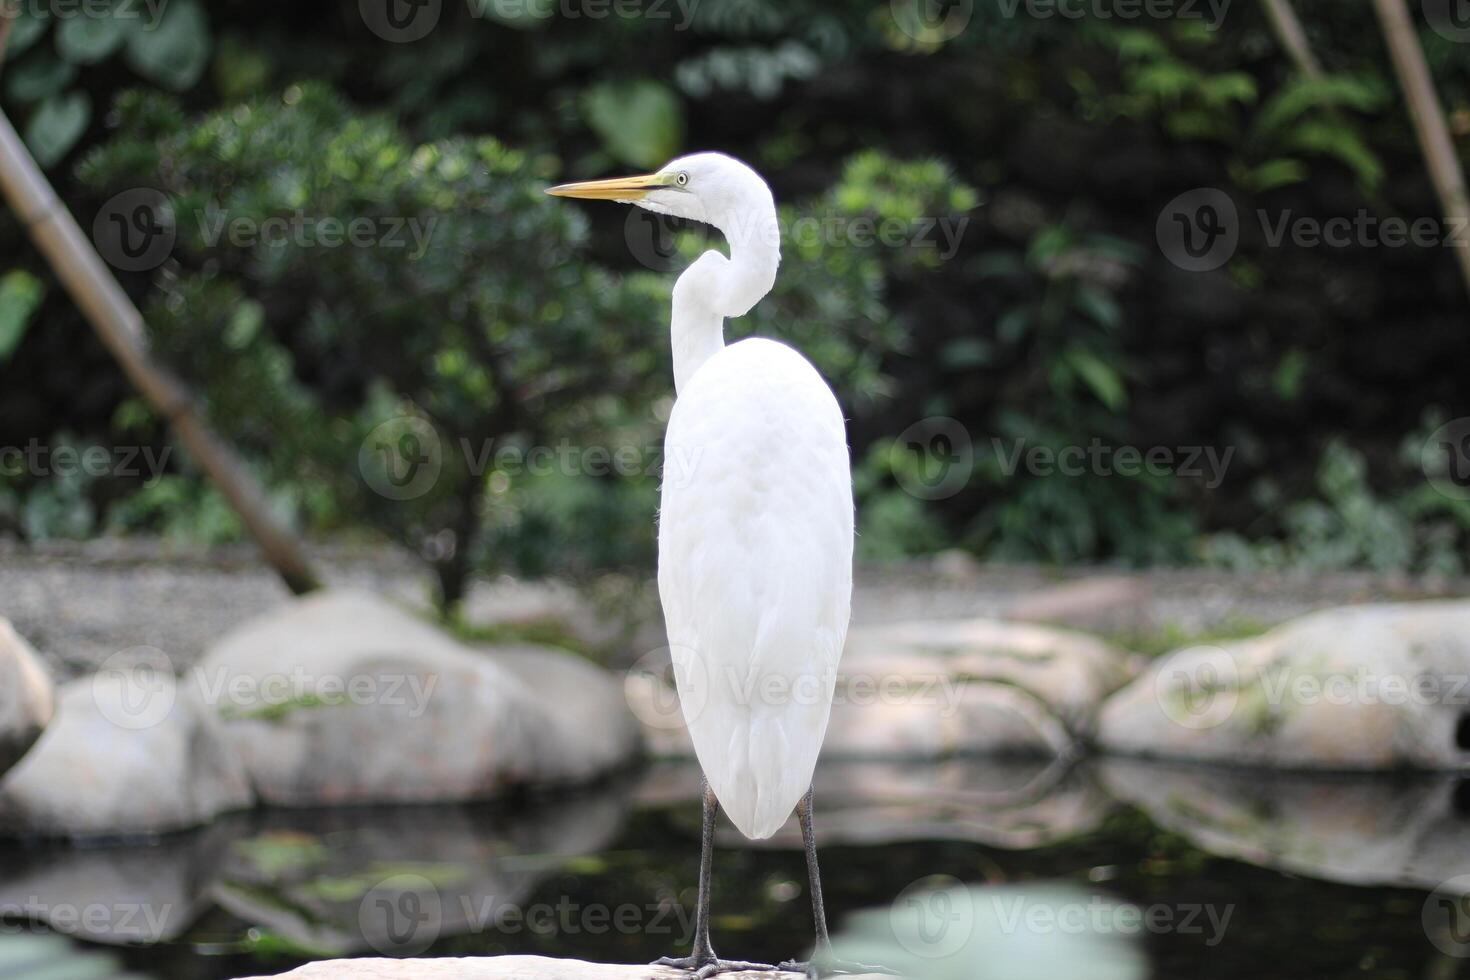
(682, 179)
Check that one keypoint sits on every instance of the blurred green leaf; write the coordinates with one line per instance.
(30, 24)
(173, 53)
(20, 296)
(86, 40)
(1099, 376)
(37, 77)
(56, 126)
(640, 123)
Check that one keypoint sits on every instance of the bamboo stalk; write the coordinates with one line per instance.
(1428, 116)
(119, 325)
(1291, 37)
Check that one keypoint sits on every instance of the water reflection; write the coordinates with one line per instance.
(1013, 804)
(330, 882)
(327, 882)
(1406, 832)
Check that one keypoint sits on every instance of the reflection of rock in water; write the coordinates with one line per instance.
(1015, 804)
(1359, 830)
(393, 880)
(327, 880)
(117, 893)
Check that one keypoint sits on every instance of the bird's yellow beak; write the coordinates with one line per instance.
(615, 189)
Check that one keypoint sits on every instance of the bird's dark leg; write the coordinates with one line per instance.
(822, 963)
(702, 961)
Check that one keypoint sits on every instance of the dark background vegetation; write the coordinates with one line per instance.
(530, 321)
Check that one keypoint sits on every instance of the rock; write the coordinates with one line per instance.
(973, 717)
(610, 614)
(1069, 673)
(343, 698)
(1355, 688)
(1105, 604)
(1364, 832)
(934, 689)
(27, 699)
(500, 968)
(127, 754)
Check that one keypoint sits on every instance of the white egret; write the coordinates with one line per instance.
(755, 541)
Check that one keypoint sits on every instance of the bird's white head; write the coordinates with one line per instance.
(716, 190)
(710, 188)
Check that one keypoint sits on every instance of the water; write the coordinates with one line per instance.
(1247, 874)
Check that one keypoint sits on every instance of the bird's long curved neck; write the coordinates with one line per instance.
(715, 287)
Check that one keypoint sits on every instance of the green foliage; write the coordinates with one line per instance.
(640, 123)
(1166, 75)
(20, 295)
(168, 46)
(1348, 524)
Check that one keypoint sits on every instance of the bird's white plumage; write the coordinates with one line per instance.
(755, 572)
(755, 529)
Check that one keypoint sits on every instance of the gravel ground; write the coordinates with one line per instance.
(80, 603)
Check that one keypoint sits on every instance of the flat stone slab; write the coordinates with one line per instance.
(505, 968)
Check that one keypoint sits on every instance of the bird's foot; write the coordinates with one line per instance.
(828, 967)
(702, 967)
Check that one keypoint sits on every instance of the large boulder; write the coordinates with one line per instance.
(27, 699)
(1355, 688)
(343, 698)
(936, 689)
(128, 753)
